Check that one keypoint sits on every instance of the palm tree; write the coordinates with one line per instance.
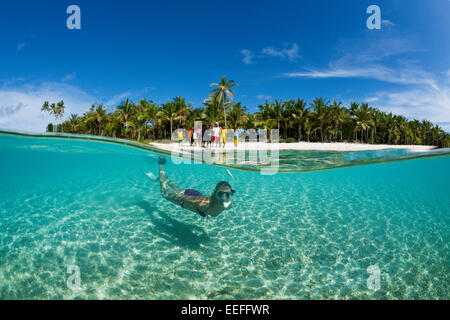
(113, 124)
(182, 108)
(353, 112)
(211, 110)
(265, 111)
(99, 116)
(288, 116)
(321, 113)
(376, 119)
(250, 121)
(168, 112)
(277, 112)
(57, 110)
(364, 120)
(307, 126)
(297, 110)
(338, 116)
(194, 114)
(222, 93)
(236, 115)
(269, 124)
(125, 109)
(73, 121)
(427, 126)
(149, 113)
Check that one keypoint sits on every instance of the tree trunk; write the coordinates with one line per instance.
(336, 132)
(300, 132)
(321, 131)
(224, 115)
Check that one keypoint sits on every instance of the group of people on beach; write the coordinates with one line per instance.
(212, 136)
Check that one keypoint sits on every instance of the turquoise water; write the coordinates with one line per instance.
(308, 235)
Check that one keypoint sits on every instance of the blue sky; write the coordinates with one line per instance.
(272, 49)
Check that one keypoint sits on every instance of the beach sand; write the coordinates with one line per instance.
(332, 146)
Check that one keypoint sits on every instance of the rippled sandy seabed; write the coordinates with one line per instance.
(288, 236)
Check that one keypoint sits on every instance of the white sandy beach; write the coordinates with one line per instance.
(333, 146)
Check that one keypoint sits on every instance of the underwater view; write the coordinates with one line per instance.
(292, 235)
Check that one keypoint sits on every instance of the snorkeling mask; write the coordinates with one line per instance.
(225, 197)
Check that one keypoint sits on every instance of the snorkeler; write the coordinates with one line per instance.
(193, 200)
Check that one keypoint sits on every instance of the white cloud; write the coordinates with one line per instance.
(418, 93)
(118, 98)
(69, 77)
(418, 102)
(286, 53)
(375, 49)
(270, 51)
(424, 96)
(248, 56)
(365, 59)
(20, 106)
(263, 97)
(444, 125)
(407, 76)
(387, 23)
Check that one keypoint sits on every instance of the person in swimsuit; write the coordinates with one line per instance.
(193, 200)
(180, 137)
(191, 141)
(223, 136)
(216, 135)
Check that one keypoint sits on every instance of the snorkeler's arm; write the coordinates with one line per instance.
(173, 185)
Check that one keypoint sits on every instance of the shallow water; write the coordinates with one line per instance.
(288, 236)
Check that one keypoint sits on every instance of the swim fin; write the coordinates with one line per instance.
(151, 176)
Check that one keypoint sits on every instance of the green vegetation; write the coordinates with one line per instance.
(321, 121)
(56, 110)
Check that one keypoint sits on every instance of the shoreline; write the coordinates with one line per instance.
(168, 147)
(305, 146)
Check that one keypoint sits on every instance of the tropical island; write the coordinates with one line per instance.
(321, 121)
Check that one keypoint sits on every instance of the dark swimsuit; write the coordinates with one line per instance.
(193, 193)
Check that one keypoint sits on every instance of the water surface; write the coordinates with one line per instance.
(308, 235)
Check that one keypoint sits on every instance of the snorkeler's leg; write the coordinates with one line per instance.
(162, 176)
(162, 173)
(167, 186)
